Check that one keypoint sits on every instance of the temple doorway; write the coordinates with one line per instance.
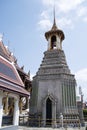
(48, 112)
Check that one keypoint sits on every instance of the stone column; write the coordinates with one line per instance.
(49, 44)
(1, 109)
(16, 112)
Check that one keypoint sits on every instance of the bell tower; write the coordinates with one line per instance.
(53, 86)
(54, 37)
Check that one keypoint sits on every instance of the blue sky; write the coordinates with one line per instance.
(24, 22)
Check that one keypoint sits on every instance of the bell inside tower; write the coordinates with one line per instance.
(53, 42)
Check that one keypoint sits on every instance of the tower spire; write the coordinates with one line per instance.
(55, 35)
(54, 27)
(54, 15)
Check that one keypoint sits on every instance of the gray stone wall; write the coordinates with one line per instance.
(53, 80)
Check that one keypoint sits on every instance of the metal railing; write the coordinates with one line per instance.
(7, 120)
(85, 118)
(25, 120)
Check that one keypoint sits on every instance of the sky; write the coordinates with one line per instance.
(23, 24)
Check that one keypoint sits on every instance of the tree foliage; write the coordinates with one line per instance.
(85, 114)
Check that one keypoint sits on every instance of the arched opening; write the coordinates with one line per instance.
(53, 42)
(48, 112)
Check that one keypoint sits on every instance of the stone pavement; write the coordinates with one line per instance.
(41, 128)
(11, 127)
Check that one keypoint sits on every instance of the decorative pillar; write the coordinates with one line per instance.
(54, 124)
(70, 95)
(65, 95)
(1, 109)
(61, 45)
(27, 102)
(49, 44)
(44, 114)
(68, 99)
(6, 105)
(16, 112)
(20, 106)
(75, 96)
(58, 43)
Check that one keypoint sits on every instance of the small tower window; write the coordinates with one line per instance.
(53, 42)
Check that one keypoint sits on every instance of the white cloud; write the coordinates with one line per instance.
(68, 5)
(44, 24)
(48, 2)
(67, 12)
(44, 15)
(1, 37)
(82, 11)
(65, 22)
(85, 19)
(81, 77)
(31, 76)
(63, 5)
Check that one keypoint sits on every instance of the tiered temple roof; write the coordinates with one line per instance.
(10, 79)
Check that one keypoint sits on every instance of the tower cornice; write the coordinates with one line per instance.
(55, 31)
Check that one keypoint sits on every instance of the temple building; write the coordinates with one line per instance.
(53, 86)
(15, 86)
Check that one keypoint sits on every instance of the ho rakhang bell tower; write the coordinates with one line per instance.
(54, 87)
